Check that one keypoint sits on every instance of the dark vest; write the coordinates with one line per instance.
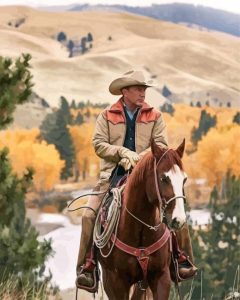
(129, 142)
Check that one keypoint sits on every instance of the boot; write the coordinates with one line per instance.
(182, 249)
(86, 264)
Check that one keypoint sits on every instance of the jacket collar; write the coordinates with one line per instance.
(118, 106)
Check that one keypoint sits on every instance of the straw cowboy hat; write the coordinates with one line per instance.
(128, 79)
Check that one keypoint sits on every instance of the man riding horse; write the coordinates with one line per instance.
(122, 137)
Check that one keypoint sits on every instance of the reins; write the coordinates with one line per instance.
(162, 204)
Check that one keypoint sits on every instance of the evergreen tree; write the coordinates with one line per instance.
(84, 45)
(89, 37)
(22, 256)
(70, 47)
(166, 92)
(20, 251)
(15, 86)
(168, 108)
(54, 130)
(81, 104)
(220, 255)
(73, 104)
(61, 37)
(79, 119)
(205, 123)
(198, 104)
(236, 118)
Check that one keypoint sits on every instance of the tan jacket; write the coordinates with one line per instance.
(110, 133)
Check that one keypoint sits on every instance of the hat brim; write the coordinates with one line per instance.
(115, 88)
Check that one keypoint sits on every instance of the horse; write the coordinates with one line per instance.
(142, 249)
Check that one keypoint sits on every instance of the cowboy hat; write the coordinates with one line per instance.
(129, 79)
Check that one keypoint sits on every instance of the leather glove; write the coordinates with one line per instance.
(132, 156)
(125, 163)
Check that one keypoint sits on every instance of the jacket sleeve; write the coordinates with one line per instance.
(159, 134)
(101, 141)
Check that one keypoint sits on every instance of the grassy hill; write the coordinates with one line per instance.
(192, 63)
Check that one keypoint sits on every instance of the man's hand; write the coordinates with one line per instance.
(125, 163)
(131, 156)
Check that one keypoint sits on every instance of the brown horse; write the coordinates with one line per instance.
(142, 251)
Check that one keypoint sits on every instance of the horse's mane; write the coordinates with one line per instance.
(145, 165)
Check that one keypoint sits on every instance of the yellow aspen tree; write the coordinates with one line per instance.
(26, 151)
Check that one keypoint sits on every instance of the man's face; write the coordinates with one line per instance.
(135, 94)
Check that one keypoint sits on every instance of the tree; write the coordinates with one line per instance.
(236, 118)
(73, 104)
(61, 37)
(166, 92)
(20, 251)
(81, 105)
(54, 130)
(15, 83)
(205, 123)
(89, 37)
(220, 255)
(79, 119)
(21, 141)
(70, 47)
(198, 104)
(84, 45)
(168, 108)
(21, 254)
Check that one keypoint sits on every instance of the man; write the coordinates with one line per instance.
(122, 136)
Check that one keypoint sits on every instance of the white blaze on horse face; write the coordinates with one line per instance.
(177, 177)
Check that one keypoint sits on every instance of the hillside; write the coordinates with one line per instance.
(190, 62)
(189, 14)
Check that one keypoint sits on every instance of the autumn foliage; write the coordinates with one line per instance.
(215, 154)
(25, 150)
(86, 159)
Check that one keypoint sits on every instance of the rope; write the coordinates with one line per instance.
(101, 238)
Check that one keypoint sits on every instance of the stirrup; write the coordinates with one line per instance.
(175, 274)
(93, 269)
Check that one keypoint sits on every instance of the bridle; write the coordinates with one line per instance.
(163, 203)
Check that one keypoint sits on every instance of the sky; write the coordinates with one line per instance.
(228, 5)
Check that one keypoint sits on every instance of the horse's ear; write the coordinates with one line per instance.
(156, 150)
(180, 149)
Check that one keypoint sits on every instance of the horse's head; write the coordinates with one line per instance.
(169, 179)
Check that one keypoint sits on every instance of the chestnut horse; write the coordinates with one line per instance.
(143, 249)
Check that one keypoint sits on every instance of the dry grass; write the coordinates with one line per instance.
(185, 59)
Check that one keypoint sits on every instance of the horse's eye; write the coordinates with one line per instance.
(164, 178)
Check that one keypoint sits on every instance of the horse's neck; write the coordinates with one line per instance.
(136, 201)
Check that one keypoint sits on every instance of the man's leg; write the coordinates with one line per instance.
(85, 263)
(186, 268)
(184, 241)
(88, 220)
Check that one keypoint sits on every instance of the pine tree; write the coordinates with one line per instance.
(220, 255)
(166, 92)
(54, 130)
(15, 83)
(205, 123)
(168, 108)
(79, 119)
(21, 254)
(236, 118)
(20, 251)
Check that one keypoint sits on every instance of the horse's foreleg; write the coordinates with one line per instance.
(141, 294)
(160, 286)
(115, 287)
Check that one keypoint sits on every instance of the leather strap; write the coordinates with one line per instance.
(142, 254)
